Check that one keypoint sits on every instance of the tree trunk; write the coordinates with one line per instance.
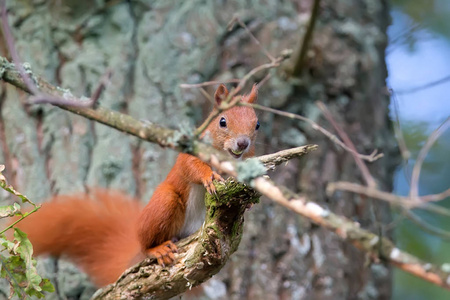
(154, 46)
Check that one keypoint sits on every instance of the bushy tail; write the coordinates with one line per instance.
(97, 231)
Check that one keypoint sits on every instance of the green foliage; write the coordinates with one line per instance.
(10, 189)
(17, 263)
(19, 268)
(9, 210)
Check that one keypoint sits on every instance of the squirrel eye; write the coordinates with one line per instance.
(223, 122)
(257, 125)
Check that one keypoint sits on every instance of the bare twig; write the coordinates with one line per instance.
(104, 80)
(12, 50)
(348, 142)
(436, 197)
(275, 62)
(264, 80)
(232, 99)
(406, 202)
(443, 234)
(405, 34)
(370, 158)
(285, 54)
(304, 46)
(397, 128)
(414, 191)
(236, 19)
(424, 86)
(207, 83)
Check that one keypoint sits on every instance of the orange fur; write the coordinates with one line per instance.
(97, 231)
(107, 232)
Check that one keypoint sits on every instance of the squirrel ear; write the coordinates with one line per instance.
(253, 96)
(220, 94)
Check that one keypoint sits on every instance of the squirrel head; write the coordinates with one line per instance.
(234, 130)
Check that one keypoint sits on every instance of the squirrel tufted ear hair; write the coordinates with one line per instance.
(253, 96)
(220, 94)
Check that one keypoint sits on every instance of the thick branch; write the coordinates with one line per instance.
(200, 256)
(379, 248)
(145, 130)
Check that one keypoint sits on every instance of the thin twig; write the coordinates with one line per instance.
(406, 202)
(274, 64)
(104, 80)
(414, 191)
(232, 98)
(35, 209)
(405, 34)
(264, 80)
(12, 50)
(207, 96)
(443, 234)
(436, 197)
(207, 83)
(304, 46)
(370, 181)
(404, 152)
(424, 86)
(236, 19)
(397, 128)
(370, 158)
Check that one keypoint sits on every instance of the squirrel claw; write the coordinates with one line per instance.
(217, 177)
(163, 253)
(208, 182)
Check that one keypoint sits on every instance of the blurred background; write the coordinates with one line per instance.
(418, 61)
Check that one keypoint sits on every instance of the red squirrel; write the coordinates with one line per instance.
(106, 232)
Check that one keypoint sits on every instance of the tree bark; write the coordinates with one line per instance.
(152, 47)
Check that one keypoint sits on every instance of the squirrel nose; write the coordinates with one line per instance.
(242, 143)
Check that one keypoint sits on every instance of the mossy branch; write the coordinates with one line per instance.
(200, 256)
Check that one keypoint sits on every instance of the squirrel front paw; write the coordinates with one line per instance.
(163, 253)
(208, 182)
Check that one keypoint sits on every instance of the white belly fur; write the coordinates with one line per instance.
(195, 211)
